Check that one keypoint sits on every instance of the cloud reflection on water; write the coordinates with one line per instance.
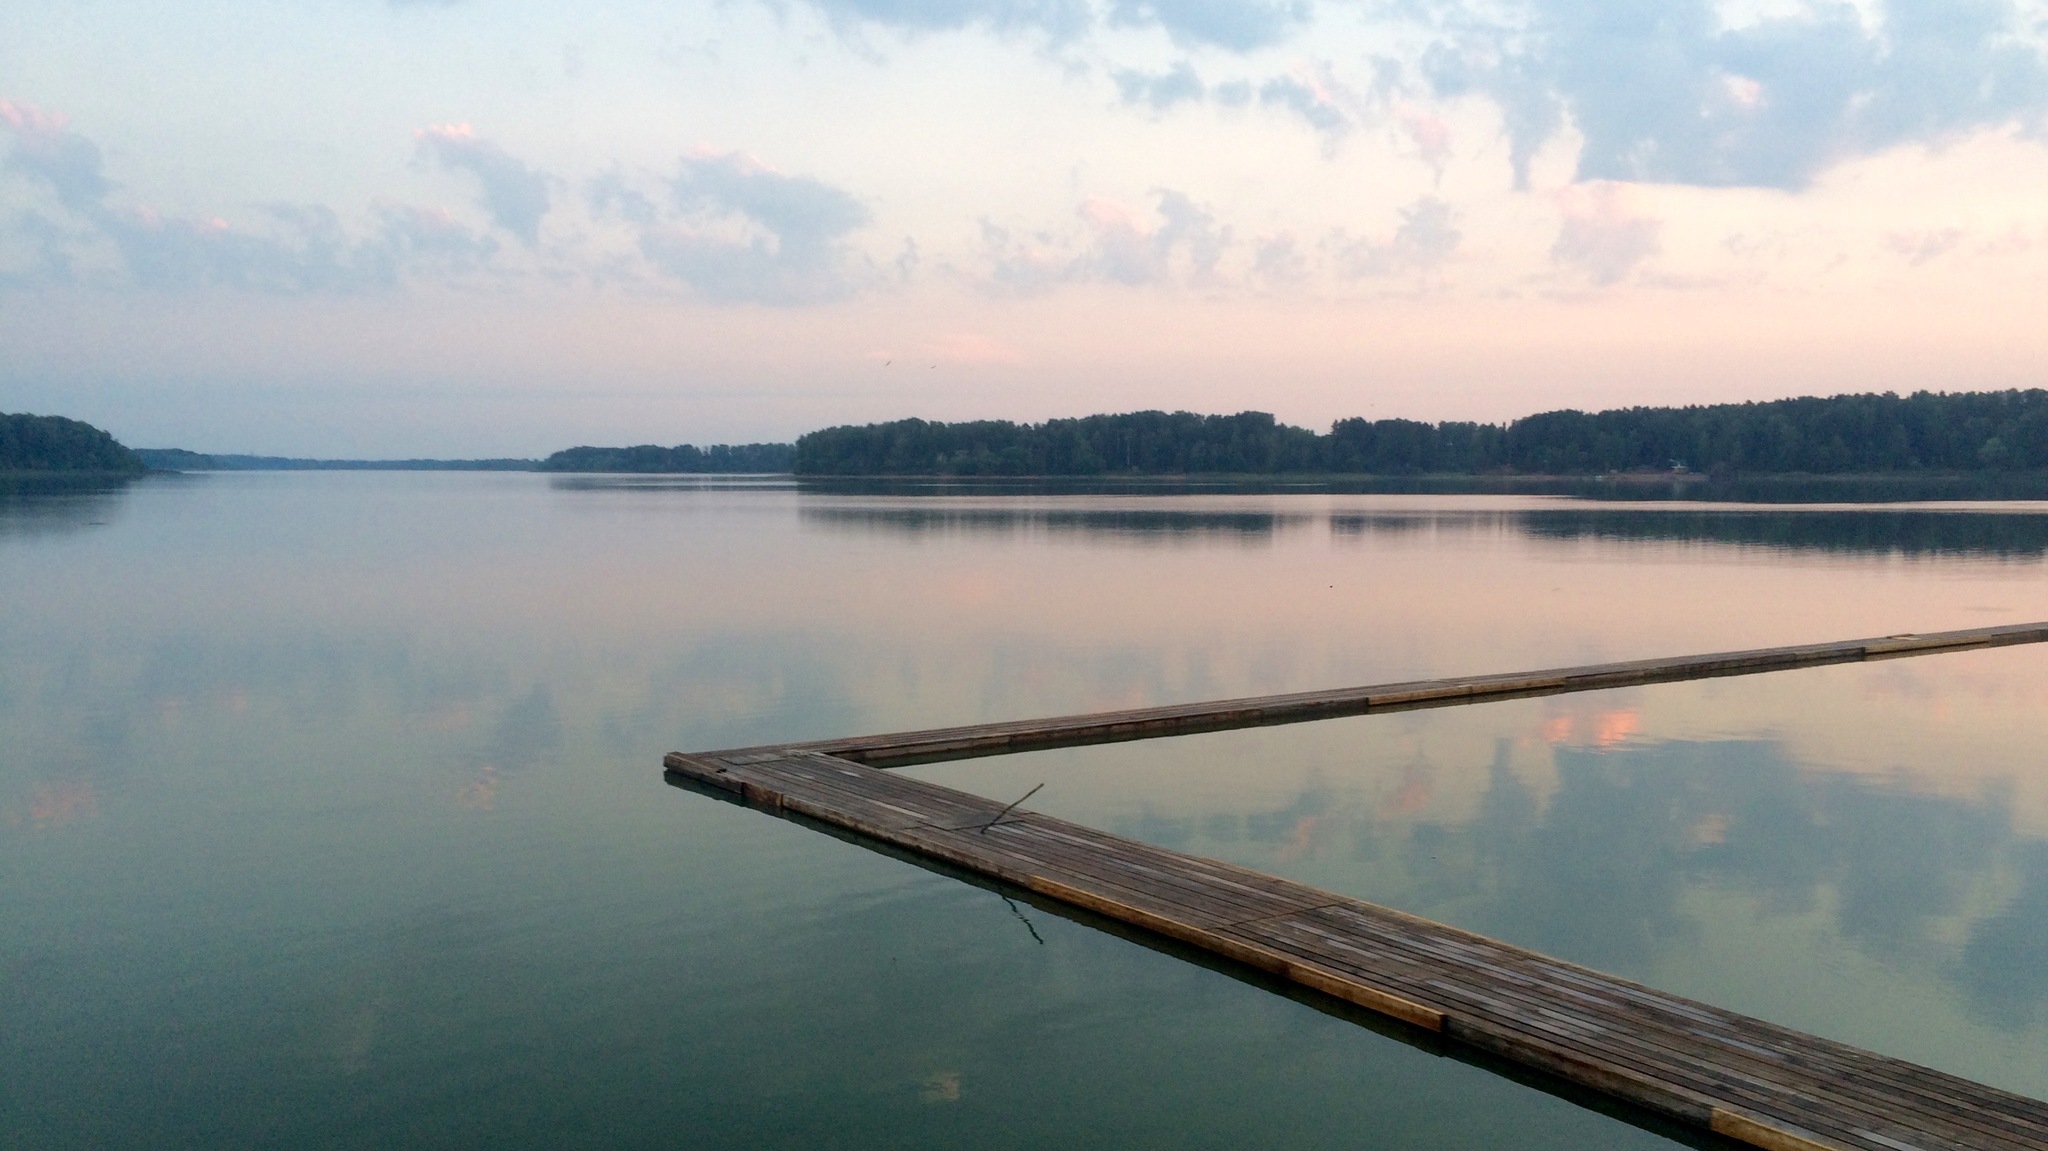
(285, 693)
(1598, 868)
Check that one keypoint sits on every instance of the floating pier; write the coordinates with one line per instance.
(1706, 1070)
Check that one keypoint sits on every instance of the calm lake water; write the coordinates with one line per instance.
(331, 811)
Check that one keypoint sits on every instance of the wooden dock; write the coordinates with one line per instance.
(1707, 1070)
(940, 744)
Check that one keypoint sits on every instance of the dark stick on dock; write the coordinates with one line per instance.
(997, 818)
(1704, 1068)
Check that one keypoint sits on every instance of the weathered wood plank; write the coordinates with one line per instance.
(1713, 1070)
(940, 744)
(1707, 1069)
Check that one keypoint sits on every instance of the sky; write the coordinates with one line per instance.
(392, 228)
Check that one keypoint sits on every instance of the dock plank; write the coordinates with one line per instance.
(1010, 736)
(1702, 1066)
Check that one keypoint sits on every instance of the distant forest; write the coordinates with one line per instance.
(181, 460)
(56, 444)
(649, 458)
(1926, 431)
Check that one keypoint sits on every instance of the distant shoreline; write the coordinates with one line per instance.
(64, 477)
(181, 460)
(1762, 487)
(1979, 442)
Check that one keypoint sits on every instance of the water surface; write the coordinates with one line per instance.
(330, 807)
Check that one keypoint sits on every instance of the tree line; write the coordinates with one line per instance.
(56, 444)
(1924, 431)
(650, 458)
(1848, 434)
(1145, 442)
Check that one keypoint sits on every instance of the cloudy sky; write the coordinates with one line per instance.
(479, 227)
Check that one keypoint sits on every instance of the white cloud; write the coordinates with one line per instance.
(281, 248)
(741, 231)
(1231, 25)
(1426, 238)
(1316, 107)
(730, 227)
(1277, 261)
(1314, 94)
(1233, 94)
(1667, 91)
(611, 194)
(37, 251)
(1058, 20)
(48, 152)
(1920, 247)
(1180, 242)
(1238, 25)
(304, 249)
(1180, 84)
(433, 237)
(514, 195)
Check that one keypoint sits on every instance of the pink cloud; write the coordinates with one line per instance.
(27, 120)
(1605, 233)
(1431, 135)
